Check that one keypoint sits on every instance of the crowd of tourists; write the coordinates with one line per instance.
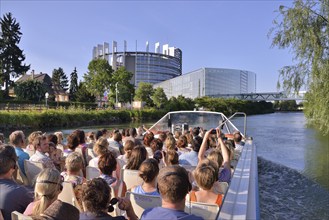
(176, 167)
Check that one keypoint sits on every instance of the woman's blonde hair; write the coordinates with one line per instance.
(47, 188)
(74, 162)
(170, 143)
(101, 146)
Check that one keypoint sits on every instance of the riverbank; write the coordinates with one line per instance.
(72, 116)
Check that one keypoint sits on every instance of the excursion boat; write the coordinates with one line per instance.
(241, 198)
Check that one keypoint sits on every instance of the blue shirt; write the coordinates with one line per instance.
(140, 190)
(190, 158)
(21, 157)
(167, 214)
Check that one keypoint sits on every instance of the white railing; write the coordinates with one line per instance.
(241, 200)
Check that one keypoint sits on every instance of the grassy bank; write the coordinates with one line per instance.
(72, 117)
(77, 116)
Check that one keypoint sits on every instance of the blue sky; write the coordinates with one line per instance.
(219, 34)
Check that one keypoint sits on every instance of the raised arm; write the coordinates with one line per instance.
(204, 146)
(224, 149)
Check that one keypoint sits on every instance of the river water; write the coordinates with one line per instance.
(293, 164)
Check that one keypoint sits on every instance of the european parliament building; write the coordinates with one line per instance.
(151, 67)
(210, 82)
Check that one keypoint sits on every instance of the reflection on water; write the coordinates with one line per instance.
(284, 138)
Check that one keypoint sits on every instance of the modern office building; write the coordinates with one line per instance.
(210, 82)
(151, 67)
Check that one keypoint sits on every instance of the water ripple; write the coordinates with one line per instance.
(286, 194)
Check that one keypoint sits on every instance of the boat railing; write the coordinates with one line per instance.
(241, 200)
(244, 134)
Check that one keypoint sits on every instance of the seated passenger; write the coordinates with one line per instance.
(128, 147)
(191, 158)
(56, 156)
(182, 145)
(60, 138)
(107, 164)
(97, 202)
(237, 137)
(205, 175)
(30, 147)
(100, 148)
(73, 173)
(170, 143)
(138, 155)
(170, 158)
(148, 171)
(13, 197)
(148, 138)
(219, 156)
(72, 144)
(115, 145)
(47, 188)
(42, 147)
(174, 185)
(17, 139)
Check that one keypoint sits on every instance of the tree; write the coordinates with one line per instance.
(159, 97)
(83, 95)
(59, 78)
(11, 56)
(31, 90)
(125, 88)
(304, 30)
(73, 84)
(99, 77)
(144, 93)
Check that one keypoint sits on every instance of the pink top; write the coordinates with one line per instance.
(29, 209)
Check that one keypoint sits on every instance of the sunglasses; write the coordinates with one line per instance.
(112, 203)
(50, 182)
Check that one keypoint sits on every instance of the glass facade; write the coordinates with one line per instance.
(210, 82)
(150, 67)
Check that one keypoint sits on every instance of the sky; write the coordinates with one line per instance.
(218, 34)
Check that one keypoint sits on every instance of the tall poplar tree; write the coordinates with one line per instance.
(304, 29)
(11, 56)
(73, 84)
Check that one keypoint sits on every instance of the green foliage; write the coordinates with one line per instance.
(73, 84)
(289, 105)
(304, 30)
(31, 90)
(99, 77)
(125, 88)
(59, 78)
(144, 93)
(179, 103)
(83, 95)
(317, 101)
(230, 106)
(159, 98)
(73, 116)
(11, 56)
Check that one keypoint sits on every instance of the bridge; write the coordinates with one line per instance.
(267, 96)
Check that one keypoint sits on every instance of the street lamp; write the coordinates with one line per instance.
(116, 94)
(47, 96)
